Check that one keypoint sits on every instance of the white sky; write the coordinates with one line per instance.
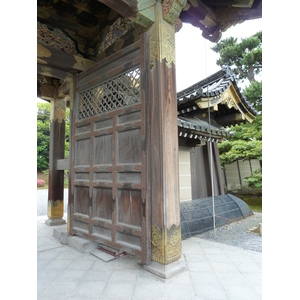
(194, 58)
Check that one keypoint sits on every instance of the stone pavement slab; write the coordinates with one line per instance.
(213, 271)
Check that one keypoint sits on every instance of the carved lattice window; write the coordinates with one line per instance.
(120, 91)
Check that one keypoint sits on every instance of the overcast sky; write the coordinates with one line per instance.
(194, 58)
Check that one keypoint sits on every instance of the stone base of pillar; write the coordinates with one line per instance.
(165, 271)
(56, 221)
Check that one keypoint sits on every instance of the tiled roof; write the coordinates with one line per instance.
(213, 86)
(198, 129)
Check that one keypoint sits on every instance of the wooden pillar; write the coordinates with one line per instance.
(71, 146)
(201, 172)
(217, 171)
(57, 151)
(239, 172)
(162, 147)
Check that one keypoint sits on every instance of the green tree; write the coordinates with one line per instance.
(244, 144)
(43, 135)
(67, 126)
(245, 59)
(253, 94)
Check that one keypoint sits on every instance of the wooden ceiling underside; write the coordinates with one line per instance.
(73, 35)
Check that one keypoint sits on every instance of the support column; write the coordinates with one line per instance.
(201, 173)
(55, 210)
(162, 139)
(71, 146)
(217, 171)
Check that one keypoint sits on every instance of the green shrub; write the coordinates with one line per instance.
(255, 180)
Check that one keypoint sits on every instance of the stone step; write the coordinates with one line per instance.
(81, 244)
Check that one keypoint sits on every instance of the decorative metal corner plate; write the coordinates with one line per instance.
(166, 244)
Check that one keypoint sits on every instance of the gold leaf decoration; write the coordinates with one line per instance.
(166, 244)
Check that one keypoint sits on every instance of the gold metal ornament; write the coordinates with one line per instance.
(166, 244)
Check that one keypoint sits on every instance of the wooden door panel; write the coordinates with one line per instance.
(103, 149)
(82, 154)
(129, 204)
(81, 200)
(108, 154)
(102, 207)
(129, 148)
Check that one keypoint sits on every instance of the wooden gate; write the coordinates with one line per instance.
(108, 174)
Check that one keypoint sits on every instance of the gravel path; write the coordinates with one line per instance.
(238, 234)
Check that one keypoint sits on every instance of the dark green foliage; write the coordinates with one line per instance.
(240, 150)
(43, 135)
(244, 144)
(255, 180)
(253, 94)
(245, 59)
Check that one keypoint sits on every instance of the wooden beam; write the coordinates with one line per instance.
(126, 8)
(238, 14)
(62, 164)
(229, 119)
(59, 59)
(53, 72)
(203, 14)
(73, 27)
(63, 90)
(140, 12)
(45, 91)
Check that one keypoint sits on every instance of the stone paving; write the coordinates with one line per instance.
(214, 271)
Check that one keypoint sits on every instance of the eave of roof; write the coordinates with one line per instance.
(212, 87)
(195, 128)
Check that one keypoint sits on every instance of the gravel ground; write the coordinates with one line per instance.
(238, 234)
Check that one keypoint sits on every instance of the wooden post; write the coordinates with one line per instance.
(57, 151)
(71, 179)
(225, 178)
(239, 172)
(162, 147)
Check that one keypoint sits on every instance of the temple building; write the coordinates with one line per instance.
(113, 63)
(219, 96)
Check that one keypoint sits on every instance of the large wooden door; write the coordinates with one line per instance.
(108, 174)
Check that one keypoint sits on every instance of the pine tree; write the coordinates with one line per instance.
(245, 59)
